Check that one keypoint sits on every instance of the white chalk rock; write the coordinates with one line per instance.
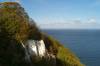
(36, 47)
(41, 48)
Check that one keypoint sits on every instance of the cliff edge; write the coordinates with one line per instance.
(23, 44)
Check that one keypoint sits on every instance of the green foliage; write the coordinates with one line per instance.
(17, 23)
(14, 28)
(11, 21)
(68, 58)
(51, 44)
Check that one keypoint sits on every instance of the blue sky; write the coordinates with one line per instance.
(64, 13)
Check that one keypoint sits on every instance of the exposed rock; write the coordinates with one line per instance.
(35, 48)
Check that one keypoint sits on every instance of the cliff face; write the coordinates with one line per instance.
(23, 44)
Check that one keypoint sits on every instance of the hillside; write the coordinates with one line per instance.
(23, 44)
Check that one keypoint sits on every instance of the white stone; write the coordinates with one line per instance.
(41, 48)
(32, 49)
(35, 47)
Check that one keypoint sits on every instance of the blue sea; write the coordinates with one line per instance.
(84, 43)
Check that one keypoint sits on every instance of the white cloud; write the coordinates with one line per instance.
(75, 24)
(92, 21)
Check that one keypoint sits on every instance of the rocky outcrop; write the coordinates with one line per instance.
(34, 48)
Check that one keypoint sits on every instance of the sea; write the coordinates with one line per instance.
(85, 43)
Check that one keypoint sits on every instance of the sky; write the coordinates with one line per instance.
(71, 14)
